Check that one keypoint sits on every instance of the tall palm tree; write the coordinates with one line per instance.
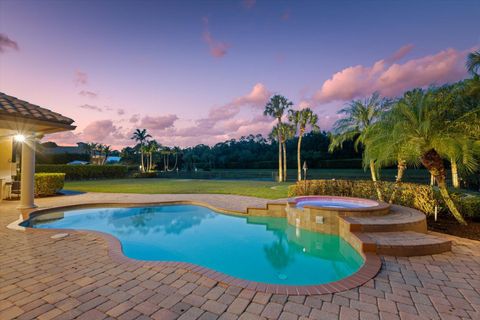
(287, 132)
(151, 147)
(425, 128)
(276, 108)
(473, 62)
(141, 137)
(359, 118)
(302, 119)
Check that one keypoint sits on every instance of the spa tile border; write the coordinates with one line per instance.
(370, 268)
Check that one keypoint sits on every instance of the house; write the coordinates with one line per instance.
(22, 124)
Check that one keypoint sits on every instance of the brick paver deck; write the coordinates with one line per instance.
(74, 277)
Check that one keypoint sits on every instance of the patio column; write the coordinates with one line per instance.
(28, 174)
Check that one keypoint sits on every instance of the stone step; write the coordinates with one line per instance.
(399, 219)
(403, 243)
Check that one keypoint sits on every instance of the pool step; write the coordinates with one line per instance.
(402, 243)
(399, 219)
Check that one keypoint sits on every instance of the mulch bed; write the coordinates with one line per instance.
(448, 225)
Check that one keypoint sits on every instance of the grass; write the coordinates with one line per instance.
(260, 189)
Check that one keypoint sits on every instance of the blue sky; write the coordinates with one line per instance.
(166, 65)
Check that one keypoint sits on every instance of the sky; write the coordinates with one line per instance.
(195, 72)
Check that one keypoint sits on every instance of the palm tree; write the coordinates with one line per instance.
(151, 147)
(426, 129)
(359, 118)
(379, 148)
(287, 132)
(473, 62)
(141, 136)
(301, 119)
(106, 151)
(276, 108)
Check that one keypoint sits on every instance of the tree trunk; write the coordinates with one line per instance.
(280, 166)
(375, 182)
(141, 160)
(299, 160)
(432, 180)
(434, 164)
(455, 180)
(401, 166)
(284, 161)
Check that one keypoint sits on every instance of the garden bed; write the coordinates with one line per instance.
(447, 224)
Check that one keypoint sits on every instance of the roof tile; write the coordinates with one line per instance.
(12, 106)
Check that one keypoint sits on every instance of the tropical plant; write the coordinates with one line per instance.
(302, 119)
(276, 108)
(359, 118)
(427, 131)
(141, 137)
(106, 152)
(152, 146)
(473, 62)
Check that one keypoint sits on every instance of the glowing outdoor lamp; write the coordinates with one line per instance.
(20, 138)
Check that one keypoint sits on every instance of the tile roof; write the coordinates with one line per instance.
(14, 107)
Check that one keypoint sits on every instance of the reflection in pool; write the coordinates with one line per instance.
(263, 249)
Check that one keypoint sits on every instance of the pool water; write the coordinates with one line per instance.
(263, 249)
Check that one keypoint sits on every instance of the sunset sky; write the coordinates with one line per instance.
(201, 71)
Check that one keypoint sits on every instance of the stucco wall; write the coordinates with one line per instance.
(6, 166)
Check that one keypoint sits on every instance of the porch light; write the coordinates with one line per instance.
(19, 138)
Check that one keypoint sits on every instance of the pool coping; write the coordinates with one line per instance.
(367, 271)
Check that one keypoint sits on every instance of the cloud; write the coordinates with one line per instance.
(90, 107)
(7, 44)
(120, 111)
(80, 78)
(134, 118)
(391, 78)
(218, 49)
(88, 94)
(285, 15)
(249, 4)
(158, 123)
(103, 131)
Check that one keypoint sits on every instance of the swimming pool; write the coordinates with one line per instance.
(261, 249)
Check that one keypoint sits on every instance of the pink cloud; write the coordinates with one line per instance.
(218, 49)
(80, 78)
(103, 131)
(249, 3)
(391, 78)
(7, 44)
(88, 94)
(285, 15)
(134, 118)
(90, 107)
(158, 123)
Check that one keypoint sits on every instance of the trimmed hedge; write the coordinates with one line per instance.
(418, 196)
(86, 172)
(48, 184)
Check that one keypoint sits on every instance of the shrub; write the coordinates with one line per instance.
(47, 184)
(418, 196)
(468, 205)
(86, 172)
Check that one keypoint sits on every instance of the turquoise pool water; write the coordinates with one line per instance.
(262, 249)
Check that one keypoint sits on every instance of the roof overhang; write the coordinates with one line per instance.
(27, 125)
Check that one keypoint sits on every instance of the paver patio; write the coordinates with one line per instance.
(75, 277)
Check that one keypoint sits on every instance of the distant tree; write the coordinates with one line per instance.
(302, 119)
(276, 108)
(141, 136)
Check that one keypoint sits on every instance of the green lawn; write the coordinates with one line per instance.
(261, 189)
